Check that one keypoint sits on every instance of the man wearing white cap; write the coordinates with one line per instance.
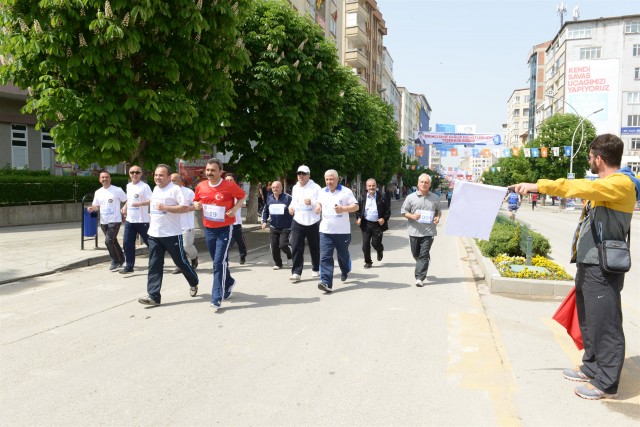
(306, 223)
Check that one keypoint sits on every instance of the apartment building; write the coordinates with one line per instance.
(517, 118)
(328, 14)
(21, 145)
(536, 64)
(389, 91)
(593, 70)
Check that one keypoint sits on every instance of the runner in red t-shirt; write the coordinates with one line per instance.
(219, 200)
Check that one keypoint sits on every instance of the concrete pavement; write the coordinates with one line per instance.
(77, 349)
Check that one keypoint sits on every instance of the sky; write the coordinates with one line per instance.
(467, 57)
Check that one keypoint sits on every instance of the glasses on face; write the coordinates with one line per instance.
(135, 172)
(301, 173)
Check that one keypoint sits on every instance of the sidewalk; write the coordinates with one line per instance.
(36, 250)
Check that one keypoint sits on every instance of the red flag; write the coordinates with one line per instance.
(567, 316)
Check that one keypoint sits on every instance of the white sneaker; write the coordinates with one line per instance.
(295, 277)
(315, 274)
(419, 283)
(276, 267)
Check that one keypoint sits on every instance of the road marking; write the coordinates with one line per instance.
(477, 357)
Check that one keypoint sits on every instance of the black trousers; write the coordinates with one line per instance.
(600, 318)
(279, 242)
(420, 249)
(157, 248)
(111, 241)
(371, 236)
(298, 234)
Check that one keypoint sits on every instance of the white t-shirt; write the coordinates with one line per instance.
(109, 199)
(166, 224)
(187, 219)
(332, 222)
(305, 214)
(140, 192)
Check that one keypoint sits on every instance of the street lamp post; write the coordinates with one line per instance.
(580, 123)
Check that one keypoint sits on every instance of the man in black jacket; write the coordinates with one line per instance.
(373, 217)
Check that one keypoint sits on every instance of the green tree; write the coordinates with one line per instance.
(508, 171)
(364, 139)
(286, 96)
(121, 80)
(557, 131)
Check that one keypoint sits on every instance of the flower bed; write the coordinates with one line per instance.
(553, 271)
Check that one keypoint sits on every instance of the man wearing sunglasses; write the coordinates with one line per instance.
(137, 216)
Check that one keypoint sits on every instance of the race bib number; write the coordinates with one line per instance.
(153, 208)
(330, 212)
(133, 208)
(106, 210)
(213, 213)
(276, 209)
(426, 217)
(303, 207)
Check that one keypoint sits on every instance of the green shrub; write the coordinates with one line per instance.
(506, 238)
(21, 189)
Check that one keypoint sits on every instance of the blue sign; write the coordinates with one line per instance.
(635, 130)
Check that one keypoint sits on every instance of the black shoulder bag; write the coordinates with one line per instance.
(614, 255)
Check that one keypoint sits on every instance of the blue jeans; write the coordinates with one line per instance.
(131, 231)
(329, 242)
(157, 248)
(218, 243)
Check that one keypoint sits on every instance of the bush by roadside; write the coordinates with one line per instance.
(506, 238)
(25, 187)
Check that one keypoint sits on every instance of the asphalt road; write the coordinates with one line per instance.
(77, 349)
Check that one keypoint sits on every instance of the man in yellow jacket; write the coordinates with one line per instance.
(611, 199)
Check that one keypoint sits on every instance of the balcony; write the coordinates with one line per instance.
(356, 58)
(355, 6)
(357, 36)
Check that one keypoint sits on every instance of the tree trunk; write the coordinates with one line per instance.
(252, 204)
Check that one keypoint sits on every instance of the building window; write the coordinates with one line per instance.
(579, 32)
(636, 73)
(525, 125)
(633, 120)
(525, 112)
(526, 98)
(632, 27)
(19, 153)
(635, 167)
(635, 143)
(590, 53)
(633, 97)
(47, 146)
(636, 50)
(516, 125)
(352, 19)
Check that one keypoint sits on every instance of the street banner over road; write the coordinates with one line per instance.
(458, 138)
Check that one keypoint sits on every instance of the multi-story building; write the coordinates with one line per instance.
(536, 83)
(593, 70)
(21, 145)
(517, 118)
(389, 91)
(326, 13)
(362, 48)
(409, 116)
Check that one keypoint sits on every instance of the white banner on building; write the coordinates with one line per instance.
(590, 86)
